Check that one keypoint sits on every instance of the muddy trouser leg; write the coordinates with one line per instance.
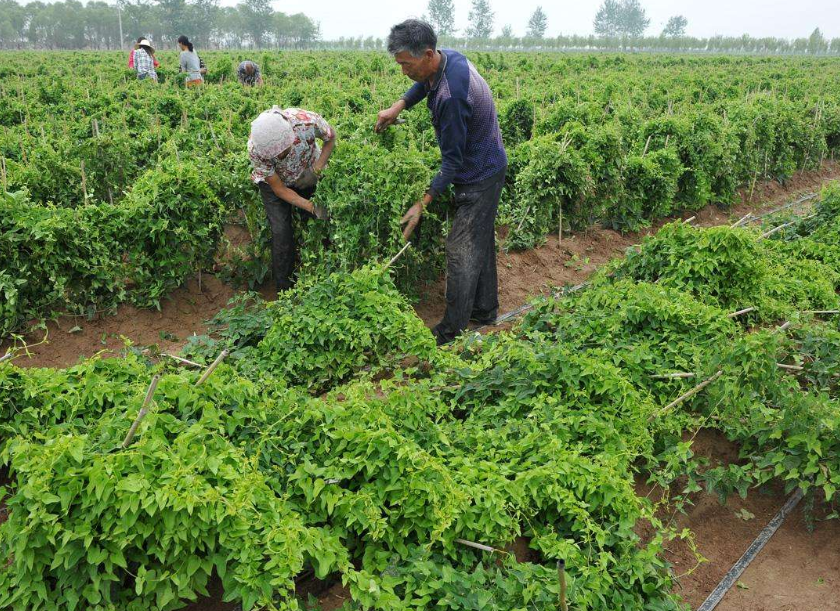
(283, 250)
(472, 289)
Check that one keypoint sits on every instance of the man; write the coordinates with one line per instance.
(287, 164)
(473, 159)
(249, 73)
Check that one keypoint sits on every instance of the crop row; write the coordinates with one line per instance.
(128, 185)
(338, 438)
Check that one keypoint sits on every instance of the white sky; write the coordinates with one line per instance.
(782, 18)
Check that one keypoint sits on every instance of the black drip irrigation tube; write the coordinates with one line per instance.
(752, 551)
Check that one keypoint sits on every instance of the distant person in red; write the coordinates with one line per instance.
(131, 55)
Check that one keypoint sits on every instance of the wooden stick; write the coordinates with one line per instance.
(84, 181)
(143, 411)
(182, 360)
(212, 367)
(790, 367)
(688, 395)
(740, 312)
(5, 357)
(688, 220)
(3, 173)
(647, 144)
(673, 376)
(822, 312)
(783, 327)
(398, 255)
(561, 573)
(742, 220)
(560, 227)
(484, 548)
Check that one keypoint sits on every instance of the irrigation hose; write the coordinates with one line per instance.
(752, 551)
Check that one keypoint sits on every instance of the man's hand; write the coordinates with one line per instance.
(411, 218)
(386, 118)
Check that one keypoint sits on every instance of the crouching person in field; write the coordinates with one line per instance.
(248, 73)
(287, 163)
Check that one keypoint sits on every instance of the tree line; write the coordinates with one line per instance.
(618, 25)
(70, 24)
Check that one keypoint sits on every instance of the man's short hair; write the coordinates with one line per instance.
(413, 36)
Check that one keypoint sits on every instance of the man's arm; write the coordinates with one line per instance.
(455, 114)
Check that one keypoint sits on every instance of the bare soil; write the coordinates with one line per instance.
(797, 570)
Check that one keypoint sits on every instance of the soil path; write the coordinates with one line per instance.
(522, 276)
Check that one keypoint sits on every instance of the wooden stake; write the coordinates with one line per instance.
(740, 312)
(398, 255)
(742, 220)
(767, 234)
(560, 226)
(484, 548)
(182, 360)
(213, 366)
(673, 376)
(647, 144)
(687, 395)
(84, 181)
(822, 312)
(561, 573)
(790, 367)
(5, 357)
(3, 173)
(688, 220)
(143, 411)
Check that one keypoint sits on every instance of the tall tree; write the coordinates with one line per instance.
(621, 18)
(537, 24)
(256, 20)
(634, 20)
(607, 18)
(675, 28)
(817, 42)
(507, 31)
(442, 17)
(481, 20)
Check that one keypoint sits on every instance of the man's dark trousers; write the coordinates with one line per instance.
(283, 250)
(472, 286)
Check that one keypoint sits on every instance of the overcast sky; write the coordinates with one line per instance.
(783, 18)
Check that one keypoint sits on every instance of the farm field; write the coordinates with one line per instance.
(335, 441)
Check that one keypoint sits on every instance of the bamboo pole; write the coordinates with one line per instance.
(561, 574)
(673, 376)
(740, 312)
(182, 360)
(398, 255)
(767, 234)
(481, 546)
(742, 220)
(143, 411)
(688, 394)
(212, 367)
(822, 312)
